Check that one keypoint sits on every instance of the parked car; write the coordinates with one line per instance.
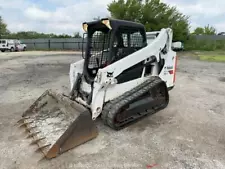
(221, 33)
(12, 45)
(177, 46)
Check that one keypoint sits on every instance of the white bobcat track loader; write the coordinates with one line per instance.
(124, 75)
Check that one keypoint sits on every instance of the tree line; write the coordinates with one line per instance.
(153, 14)
(35, 35)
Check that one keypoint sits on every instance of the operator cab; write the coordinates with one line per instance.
(109, 40)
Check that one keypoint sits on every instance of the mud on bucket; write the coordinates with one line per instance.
(58, 124)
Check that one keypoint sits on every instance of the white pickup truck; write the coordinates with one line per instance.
(12, 45)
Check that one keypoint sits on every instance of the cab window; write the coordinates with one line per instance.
(126, 42)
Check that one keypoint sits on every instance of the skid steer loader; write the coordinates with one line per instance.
(125, 74)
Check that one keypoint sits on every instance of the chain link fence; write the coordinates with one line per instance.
(55, 44)
(79, 43)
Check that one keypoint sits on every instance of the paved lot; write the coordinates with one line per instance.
(189, 133)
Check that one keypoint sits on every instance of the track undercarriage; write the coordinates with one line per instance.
(145, 99)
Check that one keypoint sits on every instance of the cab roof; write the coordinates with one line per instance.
(114, 24)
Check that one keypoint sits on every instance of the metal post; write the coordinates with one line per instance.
(49, 44)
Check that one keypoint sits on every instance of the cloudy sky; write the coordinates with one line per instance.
(66, 16)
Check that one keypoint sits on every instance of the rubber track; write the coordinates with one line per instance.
(112, 107)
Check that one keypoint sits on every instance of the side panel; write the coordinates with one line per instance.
(169, 70)
(75, 68)
(118, 89)
(132, 73)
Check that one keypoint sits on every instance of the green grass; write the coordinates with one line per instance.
(212, 58)
(204, 44)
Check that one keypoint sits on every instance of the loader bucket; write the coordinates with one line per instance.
(57, 124)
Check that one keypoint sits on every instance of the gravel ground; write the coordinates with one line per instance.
(189, 133)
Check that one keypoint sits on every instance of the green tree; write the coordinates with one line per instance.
(153, 14)
(63, 36)
(3, 28)
(35, 35)
(77, 35)
(206, 30)
(129, 10)
(209, 30)
(199, 31)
